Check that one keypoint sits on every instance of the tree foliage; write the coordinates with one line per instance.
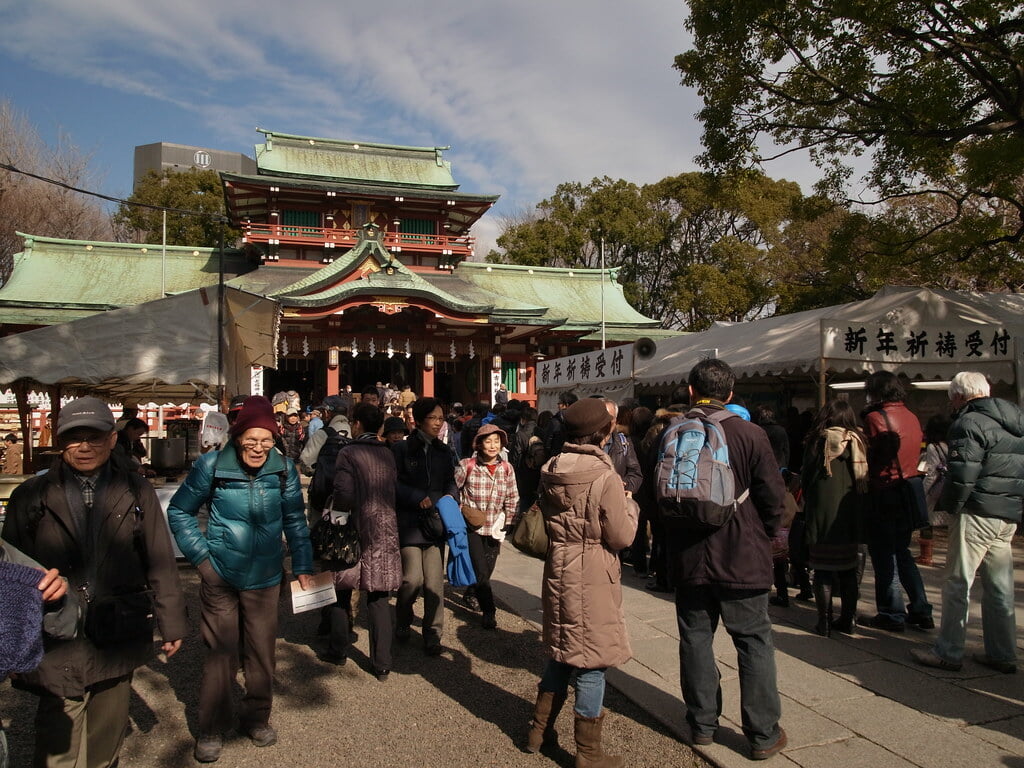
(933, 92)
(690, 249)
(197, 192)
(36, 207)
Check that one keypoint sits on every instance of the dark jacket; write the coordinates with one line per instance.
(622, 452)
(423, 470)
(41, 524)
(738, 555)
(364, 482)
(248, 514)
(986, 460)
(833, 509)
(894, 443)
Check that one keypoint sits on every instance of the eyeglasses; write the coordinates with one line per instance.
(97, 441)
(250, 444)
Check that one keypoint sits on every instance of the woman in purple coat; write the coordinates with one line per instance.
(364, 484)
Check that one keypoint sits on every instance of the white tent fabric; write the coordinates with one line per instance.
(163, 350)
(923, 333)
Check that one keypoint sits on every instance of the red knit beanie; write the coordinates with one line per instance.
(256, 412)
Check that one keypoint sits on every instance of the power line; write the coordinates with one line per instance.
(220, 218)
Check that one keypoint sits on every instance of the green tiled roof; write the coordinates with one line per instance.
(56, 280)
(570, 297)
(311, 157)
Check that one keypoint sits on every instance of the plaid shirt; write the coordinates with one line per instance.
(496, 495)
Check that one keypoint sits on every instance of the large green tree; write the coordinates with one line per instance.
(194, 200)
(690, 249)
(931, 92)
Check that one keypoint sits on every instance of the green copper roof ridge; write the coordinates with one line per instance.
(359, 287)
(353, 144)
(588, 272)
(110, 243)
(328, 181)
(326, 274)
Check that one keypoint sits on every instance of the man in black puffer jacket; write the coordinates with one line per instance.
(983, 493)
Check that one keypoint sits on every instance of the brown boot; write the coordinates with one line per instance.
(927, 549)
(588, 744)
(545, 713)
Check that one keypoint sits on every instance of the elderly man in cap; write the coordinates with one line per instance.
(335, 409)
(101, 525)
(254, 496)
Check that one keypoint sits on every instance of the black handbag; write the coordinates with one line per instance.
(118, 619)
(336, 545)
(431, 525)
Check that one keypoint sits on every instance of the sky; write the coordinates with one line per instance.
(527, 93)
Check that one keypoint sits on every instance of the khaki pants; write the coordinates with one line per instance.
(223, 607)
(84, 731)
(422, 569)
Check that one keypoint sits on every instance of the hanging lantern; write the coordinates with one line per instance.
(428, 360)
(496, 362)
(333, 354)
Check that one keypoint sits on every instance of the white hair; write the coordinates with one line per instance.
(969, 385)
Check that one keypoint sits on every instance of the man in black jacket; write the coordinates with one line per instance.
(983, 493)
(727, 574)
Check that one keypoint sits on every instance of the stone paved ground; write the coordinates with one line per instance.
(467, 707)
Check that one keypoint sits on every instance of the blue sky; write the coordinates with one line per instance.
(528, 93)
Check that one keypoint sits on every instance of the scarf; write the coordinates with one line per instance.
(836, 441)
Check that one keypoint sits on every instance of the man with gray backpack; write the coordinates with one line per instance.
(720, 496)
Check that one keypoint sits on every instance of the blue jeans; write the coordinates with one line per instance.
(745, 616)
(979, 545)
(589, 686)
(894, 565)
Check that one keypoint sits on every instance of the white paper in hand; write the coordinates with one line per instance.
(320, 594)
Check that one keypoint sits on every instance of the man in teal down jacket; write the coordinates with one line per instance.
(254, 495)
(983, 493)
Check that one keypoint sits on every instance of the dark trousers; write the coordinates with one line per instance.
(226, 611)
(378, 614)
(83, 731)
(894, 565)
(483, 553)
(745, 616)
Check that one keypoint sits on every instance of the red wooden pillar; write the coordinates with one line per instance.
(428, 382)
(333, 380)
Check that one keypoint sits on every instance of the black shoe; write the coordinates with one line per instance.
(433, 647)
(779, 600)
(920, 621)
(656, 586)
(208, 749)
(887, 623)
(402, 633)
(805, 596)
(845, 626)
(382, 674)
(489, 621)
(471, 602)
(640, 572)
(262, 735)
(334, 657)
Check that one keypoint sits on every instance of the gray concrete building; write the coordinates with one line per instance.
(179, 157)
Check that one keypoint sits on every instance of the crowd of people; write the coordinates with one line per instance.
(813, 500)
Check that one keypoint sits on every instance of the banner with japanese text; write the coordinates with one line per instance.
(900, 343)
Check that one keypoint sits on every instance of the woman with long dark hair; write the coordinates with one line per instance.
(834, 479)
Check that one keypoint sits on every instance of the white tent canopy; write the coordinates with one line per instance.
(164, 350)
(922, 333)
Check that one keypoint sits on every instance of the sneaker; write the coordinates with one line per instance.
(929, 658)
(262, 735)
(208, 749)
(920, 621)
(887, 623)
(471, 602)
(774, 749)
(1006, 667)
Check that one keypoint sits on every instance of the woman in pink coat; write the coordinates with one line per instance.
(589, 518)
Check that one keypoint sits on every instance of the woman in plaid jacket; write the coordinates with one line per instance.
(488, 484)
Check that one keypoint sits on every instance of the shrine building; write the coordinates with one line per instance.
(368, 249)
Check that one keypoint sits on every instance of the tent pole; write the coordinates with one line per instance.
(25, 418)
